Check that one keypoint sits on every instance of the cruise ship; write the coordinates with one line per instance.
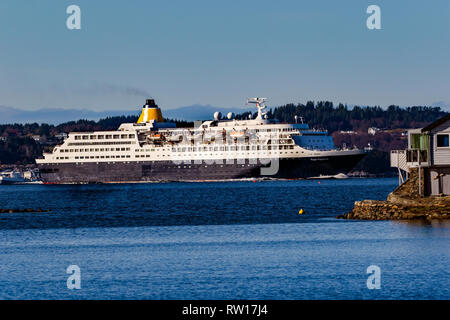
(223, 148)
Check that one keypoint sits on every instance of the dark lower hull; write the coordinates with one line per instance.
(149, 171)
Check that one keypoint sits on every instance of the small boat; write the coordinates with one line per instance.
(336, 176)
(11, 177)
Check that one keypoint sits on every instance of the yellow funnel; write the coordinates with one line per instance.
(150, 111)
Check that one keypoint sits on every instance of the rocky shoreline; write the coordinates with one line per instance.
(404, 203)
(385, 210)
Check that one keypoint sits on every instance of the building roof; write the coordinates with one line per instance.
(437, 123)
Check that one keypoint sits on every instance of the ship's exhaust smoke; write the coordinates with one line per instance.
(109, 89)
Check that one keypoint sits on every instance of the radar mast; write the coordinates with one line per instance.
(259, 102)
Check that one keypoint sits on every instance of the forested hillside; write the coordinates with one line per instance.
(324, 114)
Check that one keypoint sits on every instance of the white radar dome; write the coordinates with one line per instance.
(217, 115)
(230, 115)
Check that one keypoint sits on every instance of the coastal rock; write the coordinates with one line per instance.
(404, 203)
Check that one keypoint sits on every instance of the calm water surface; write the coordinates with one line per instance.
(229, 240)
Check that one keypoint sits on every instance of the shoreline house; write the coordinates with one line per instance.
(429, 152)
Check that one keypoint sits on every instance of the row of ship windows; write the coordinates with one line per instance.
(195, 155)
(224, 154)
(243, 148)
(232, 148)
(189, 167)
(315, 140)
(104, 136)
(127, 156)
(132, 136)
(274, 130)
(98, 143)
(95, 150)
(95, 157)
(186, 149)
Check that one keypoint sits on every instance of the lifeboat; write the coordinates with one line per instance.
(154, 136)
(236, 134)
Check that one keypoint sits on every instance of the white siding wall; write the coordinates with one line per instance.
(441, 156)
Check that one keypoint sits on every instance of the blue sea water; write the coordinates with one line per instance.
(224, 240)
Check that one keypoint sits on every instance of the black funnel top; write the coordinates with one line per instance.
(150, 103)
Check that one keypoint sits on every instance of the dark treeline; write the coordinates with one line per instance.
(324, 115)
(46, 131)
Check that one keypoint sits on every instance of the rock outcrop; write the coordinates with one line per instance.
(404, 203)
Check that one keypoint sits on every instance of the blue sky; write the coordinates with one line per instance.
(220, 52)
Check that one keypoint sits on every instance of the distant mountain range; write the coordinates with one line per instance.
(9, 115)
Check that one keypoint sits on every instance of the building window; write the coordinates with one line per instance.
(419, 141)
(442, 140)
